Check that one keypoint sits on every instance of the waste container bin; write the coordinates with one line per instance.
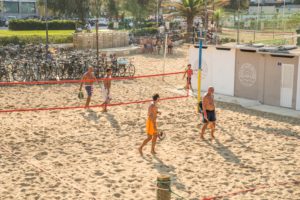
(249, 73)
(281, 77)
(217, 68)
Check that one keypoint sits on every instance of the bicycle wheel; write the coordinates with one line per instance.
(18, 73)
(122, 70)
(115, 71)
(102, 71)
(130, 69)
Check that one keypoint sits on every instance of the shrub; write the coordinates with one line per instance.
(34, 39)
(32, 24)
(145, 31)
(110, 25)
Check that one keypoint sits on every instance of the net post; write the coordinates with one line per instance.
(163, 191)
(199, 71)
(165, 54)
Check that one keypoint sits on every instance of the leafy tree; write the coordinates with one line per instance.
(74, 8)
(192, 8)
(139, 9)
(217, 15)
(235, 5)
(113, 9)
(1, 7)
(296, 1)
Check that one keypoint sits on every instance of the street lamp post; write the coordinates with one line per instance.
(238, 28)
(157, 13)
(257, 20)
(47, 34)
(206, 21)
(283, 10)
(97, 31)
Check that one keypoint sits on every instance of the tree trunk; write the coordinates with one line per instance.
(189, 22)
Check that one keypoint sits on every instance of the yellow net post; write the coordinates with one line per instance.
(199, 72)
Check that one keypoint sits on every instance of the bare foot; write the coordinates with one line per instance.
(201, 136)
(153, 152)
(141, 151)
(212, 138)
(104, 111)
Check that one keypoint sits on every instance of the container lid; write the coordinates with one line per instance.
(250, 46)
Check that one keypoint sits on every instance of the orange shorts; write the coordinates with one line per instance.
(150, 128)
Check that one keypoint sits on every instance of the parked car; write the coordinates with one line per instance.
(31, 17)
(103, 22)
(2, 22)
(8, 19)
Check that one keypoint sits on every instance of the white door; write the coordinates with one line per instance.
(287, 80)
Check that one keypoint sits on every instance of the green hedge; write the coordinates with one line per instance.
(32, 24)
(145, 31)
(34, 39)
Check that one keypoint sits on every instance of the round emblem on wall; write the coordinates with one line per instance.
(247, 75)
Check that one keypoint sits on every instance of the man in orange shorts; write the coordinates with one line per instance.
(151, 127)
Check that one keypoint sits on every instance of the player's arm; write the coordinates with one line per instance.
(82, 81)
(204, 105)
(184, 74)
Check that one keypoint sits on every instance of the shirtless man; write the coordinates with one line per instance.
(189, 73)
(88, 79)
(106, 89)
(209, 114)
(151, 127)
(170, 46)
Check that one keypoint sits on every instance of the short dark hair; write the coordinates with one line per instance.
(189, 65)
(108, 70)
(155, 97)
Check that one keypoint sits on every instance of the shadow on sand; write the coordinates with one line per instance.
(91, 116)
(114, 123)
(224, 151)
(164, 169)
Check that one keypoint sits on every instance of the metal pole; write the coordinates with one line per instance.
(206, 20)
(283, 15)
(97, 33)
(47, 34)
(157, 13)
(199, 71)
(165, 54)
(257, 20)
(238, 28)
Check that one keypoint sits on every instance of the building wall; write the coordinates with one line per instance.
(298, 88)
(19, 8)
(273, 78)
(249, 75)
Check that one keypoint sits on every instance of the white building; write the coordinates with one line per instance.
(18, 8)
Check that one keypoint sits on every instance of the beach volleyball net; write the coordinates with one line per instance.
(63, 95)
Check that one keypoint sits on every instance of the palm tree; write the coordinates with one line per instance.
(192, 8)
(217, 17)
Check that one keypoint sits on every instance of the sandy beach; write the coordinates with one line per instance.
(87, 154)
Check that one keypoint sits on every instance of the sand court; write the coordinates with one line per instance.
(86, 154)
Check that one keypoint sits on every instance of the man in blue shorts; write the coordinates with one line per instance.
(88, 79)
(209, 113)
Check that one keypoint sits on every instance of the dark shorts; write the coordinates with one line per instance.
(89, 90)
(189, 80)
(170, 46)
(211, 116)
